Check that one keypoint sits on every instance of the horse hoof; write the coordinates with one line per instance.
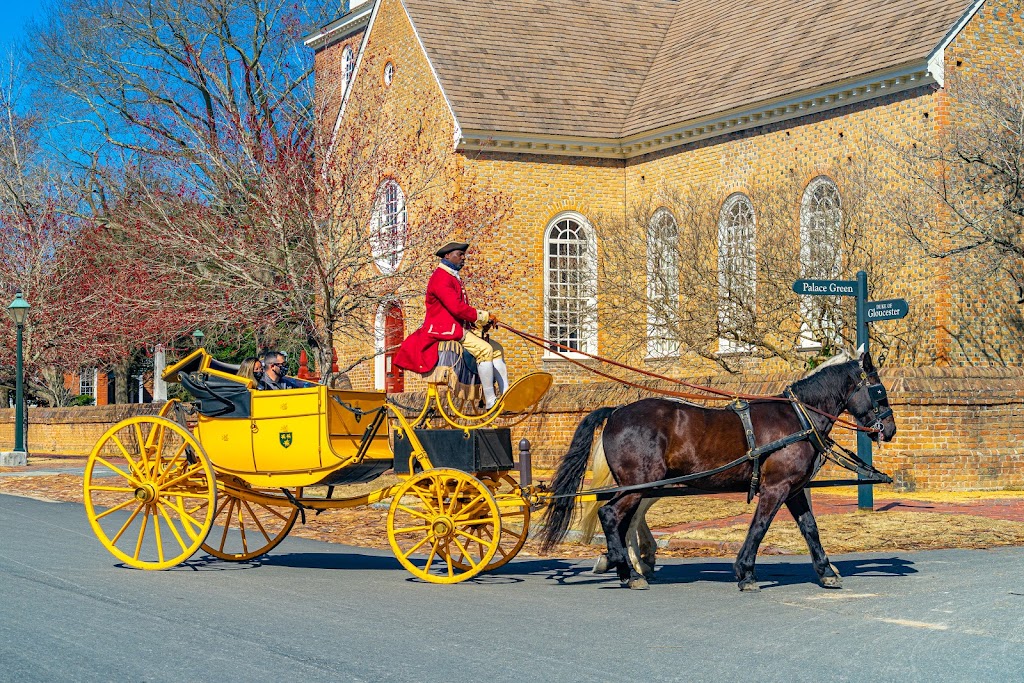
(601, 566)
(832, 581)
(638, 584)
(749, 586)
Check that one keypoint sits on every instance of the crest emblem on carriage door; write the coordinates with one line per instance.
(285, 438)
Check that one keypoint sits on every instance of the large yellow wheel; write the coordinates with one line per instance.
(150, 492)
(515, 521)
(444, 513)
(249, 522)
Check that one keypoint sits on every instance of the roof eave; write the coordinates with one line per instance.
(353, 21)
(852, 91)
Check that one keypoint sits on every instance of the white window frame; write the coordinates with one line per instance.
(662, 281)
(588, 331)
(348, 68)
(811, 235)
(389, 228)
(731, 260)
(94, 374)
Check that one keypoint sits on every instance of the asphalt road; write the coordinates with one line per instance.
(314, 611)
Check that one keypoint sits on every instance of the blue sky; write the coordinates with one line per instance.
(13, 16)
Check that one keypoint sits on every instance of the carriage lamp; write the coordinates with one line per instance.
(19, 312)
(198, 336)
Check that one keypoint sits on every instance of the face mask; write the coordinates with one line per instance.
(452, 265)
(258, 374)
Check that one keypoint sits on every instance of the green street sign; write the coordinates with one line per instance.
(890, 309)
(826, 287)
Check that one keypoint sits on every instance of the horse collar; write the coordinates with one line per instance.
(816, 439)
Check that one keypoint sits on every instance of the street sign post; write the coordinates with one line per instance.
(867, 312)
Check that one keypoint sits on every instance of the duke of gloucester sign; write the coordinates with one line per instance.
(890, 309)
(826, 287)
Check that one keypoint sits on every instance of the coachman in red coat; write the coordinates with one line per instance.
(449, 316)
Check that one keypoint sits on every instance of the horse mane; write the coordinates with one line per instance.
(822, 385)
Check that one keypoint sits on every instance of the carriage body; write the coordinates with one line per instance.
(285, 438)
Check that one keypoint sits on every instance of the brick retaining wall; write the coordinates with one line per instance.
(69, 431)
(959, 428)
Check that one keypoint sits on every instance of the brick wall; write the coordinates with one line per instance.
(69, 431)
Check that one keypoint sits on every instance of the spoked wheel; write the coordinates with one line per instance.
(443, 513)
(249, 522)
(515, 521)
(150, 492)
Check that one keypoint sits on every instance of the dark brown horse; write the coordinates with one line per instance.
(656, 439)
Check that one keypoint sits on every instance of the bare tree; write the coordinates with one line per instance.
(966, 207)
(210, 163)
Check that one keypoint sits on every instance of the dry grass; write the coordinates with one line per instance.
(879, 531)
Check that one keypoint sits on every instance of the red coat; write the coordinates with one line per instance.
(448, 315)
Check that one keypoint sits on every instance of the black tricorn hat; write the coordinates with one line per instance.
(450, 247)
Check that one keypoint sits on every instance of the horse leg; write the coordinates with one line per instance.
(799, 505)
(642, 545)
(769, 501)
(616, 517)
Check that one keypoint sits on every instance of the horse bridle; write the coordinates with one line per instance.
(877, 394)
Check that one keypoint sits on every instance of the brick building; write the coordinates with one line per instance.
(663, 92)
(577, 109)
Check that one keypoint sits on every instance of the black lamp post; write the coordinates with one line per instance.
(19, 311)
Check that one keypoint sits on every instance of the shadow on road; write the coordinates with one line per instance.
(773, 574)
(572, 572)
(785, 573)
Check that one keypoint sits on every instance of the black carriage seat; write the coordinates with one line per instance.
(219, 396)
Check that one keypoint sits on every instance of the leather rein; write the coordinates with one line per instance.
(711, 394)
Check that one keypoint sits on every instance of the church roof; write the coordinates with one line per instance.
(614, 68)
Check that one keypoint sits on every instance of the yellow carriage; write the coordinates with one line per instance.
(236, 481)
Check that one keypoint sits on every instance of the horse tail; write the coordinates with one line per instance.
(601, 477)
(569, 479)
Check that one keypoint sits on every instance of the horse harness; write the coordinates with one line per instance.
(823, 446)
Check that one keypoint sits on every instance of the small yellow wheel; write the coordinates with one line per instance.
(150, 492)
(442, 513)
(515, 520)
(249, 522)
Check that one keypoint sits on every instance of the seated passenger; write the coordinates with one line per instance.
(251, 368)
(275, 373)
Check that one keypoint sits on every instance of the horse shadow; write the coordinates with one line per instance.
(770, 574)
(786, 572)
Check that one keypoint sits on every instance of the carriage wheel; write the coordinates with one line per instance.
(150, 492)
(247, 525)
(442, 513)
(515, 521)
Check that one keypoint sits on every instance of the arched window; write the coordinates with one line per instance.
(737, 272)
(388, 232)
(348, 67)
(662, 285)
(570, 289)
(821, 219)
